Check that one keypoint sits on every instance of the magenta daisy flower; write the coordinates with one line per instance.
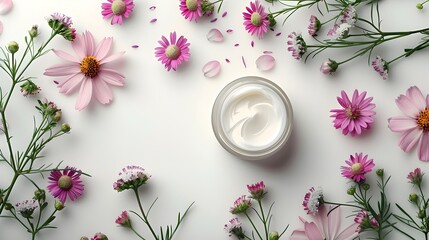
(356, 115)
(257, 190)
(357, 166)
(123, 219)
(255, 19)
(313, 200)
(117, 9)
(173, 53)
(381, 67)
(240, 205)
(65, 183)
(414, 126)
(191, 9)
(88, 70)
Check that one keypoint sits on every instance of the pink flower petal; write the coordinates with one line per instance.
(213, 20)
(103, 48)
(227, 60)
(244, 62)
(424, 147)
(85, 94)
(401, 123)
(152, 8)
(211, 69)
(65, 56)
(278, 34)
(252, 43)
(334, 221)
(214, 35)
(111, 58)
(265, 62)
(229, 31)
(224, 14)
(102, 91)
(236, 45)
(407, 106)
(135, 46)
(409, 139)
(153, 20)
(312, 231)
(5, 6)
(267, 52)
(349, 233)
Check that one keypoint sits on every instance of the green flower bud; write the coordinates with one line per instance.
(57, 116)
(29, 88)
(270, 18)
(274, 235)
(84, 238)
(422, 214)
(40, 195)
(59, 205)
(65, 127)
(12, 47)
(413, 198)
(351, 191)
(8, 206)
(33, 31)
(419, 6)
(380, 172)
(365, 186)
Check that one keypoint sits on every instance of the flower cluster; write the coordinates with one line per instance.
(242, 205)
(131, 177)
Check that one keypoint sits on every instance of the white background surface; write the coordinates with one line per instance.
(161, 120)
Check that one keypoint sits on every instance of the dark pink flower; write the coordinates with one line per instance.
(313, 200)
(357, 166)
(415, 176)
(314, 26)
(123, 219)
(65, 183)
(191, 9)
(356, 115)
(240, 205)
(296, 45)
(173, 53)
(117, 9)
(257, 190)
(255, 19)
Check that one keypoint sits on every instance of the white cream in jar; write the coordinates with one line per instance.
(252, 118)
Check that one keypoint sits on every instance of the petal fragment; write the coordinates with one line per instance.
(214, 35)
(265, 62)
(211, 69)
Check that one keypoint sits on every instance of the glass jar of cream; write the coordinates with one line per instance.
(252, 118)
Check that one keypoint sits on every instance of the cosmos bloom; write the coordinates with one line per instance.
(255, 19)
(356, 115)
(88, 70)
(173, 53)
(414, 125)
(325, 226)
(191, 9)
(357, 166)
(65, 183)
(117, 9)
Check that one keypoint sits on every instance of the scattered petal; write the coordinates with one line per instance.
(227, 60)
(267, 52)
(244, 62)
(229, 31)
(272, 29)
(213, 20)
(265, 62)
(214, 35)
(56, 82)
(135, 46)
(211, 69)
(278, 34)
(252, 44)
(5, 6)
(236, 45)
(153, 20)
(224, 14)
(152, 8)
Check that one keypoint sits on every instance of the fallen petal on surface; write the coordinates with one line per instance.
(214, 35)
(211, 69)
(265, 62)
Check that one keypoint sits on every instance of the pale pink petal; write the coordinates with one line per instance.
(62, 69)
(214, 35)
(112, 57)
(211, 69)
(409, 139)
(424, 147)
(312, 232)
(85, 94)
(5, 6)
(416, 96)
(265, 62)
(78, 45)
(349, 233)
(103, 48)
(67, 86)
(401, 123)
(65, 56)
(102, 91)
(334, 221)
(407, 106)
(89, 43)
(112, 77)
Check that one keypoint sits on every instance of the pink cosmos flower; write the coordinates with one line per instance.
(325, 227)
(255, 19)
(356, 115)
(240, 205)
(381, 67)
(173, 53)
(88, 70)
(414, 126)
(65, 183)
(116, 9)
(191, 9)
(357, 166)
(257, 190)
(415, 176)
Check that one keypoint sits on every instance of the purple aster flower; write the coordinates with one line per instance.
(173, 53)
(255, 19)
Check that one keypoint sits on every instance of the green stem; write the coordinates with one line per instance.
(253, 225)
(131, 227)
(264, 220)
(9, 191)
(146, 221)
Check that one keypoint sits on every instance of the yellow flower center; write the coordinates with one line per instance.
(256, 19)
(65, 182)
(423, 120)
(352, 112)
(356, 168)
(90, 66)
(192, 5)
(172, 52)
(118, 7)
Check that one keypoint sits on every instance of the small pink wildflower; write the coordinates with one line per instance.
(357, 166)
(313, 200)
(174, 52)
(257, 190)
(117, 10)
(296, 45)
(255, 19)
(240, 205)
(381, 67)
(415, 176)
(191, 9)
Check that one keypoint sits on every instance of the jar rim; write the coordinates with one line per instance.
(221, 135)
